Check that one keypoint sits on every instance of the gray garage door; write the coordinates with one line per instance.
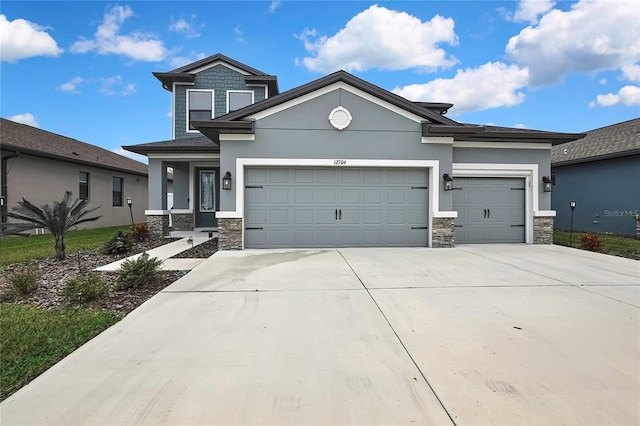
(335, 207)
(490, 210)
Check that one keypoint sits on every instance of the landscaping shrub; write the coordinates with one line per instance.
(590, 242)
(120, 243)
(138, 272)
(83, 288)
(140, 231)
(24, 282)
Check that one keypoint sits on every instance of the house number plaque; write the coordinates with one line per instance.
(340, 162)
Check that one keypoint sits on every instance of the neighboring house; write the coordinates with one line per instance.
(40, 166)
(339, 162)
(601, 173)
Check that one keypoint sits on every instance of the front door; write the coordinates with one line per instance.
(206, 197)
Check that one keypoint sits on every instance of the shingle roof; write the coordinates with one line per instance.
(194, 144)
(617, 140)
(41, 143)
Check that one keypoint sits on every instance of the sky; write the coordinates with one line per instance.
(83, 68)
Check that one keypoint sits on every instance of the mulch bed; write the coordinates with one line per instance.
(53, 273)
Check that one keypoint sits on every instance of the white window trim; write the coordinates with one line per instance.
(529, 172)
(240, 91)
(213, 102)
(432, 166)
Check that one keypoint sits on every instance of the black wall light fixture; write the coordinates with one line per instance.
(226, 181)
(547, 183)
(448, 182)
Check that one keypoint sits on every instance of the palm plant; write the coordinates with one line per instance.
(57, 219)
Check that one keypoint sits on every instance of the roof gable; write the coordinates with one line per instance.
(616, 140)
(41, 143)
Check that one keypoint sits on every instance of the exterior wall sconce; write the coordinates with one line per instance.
(448, 182)
(226, 181)
(547, 183)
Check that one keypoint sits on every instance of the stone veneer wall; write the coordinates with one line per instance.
(182, 221)
(543, 230)
(638, 225)
(443, 233)
(158, 225)
(229, 234)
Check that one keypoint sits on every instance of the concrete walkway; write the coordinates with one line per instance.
(164, 253)
(476, 335)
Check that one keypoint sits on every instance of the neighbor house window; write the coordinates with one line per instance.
(237, 99)
(117, 191)
(83, 191)
(199, 106)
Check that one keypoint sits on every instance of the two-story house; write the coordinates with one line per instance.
(340, 162)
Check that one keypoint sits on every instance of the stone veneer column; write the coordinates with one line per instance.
(543, 230)
(230, 234)
(182, 221)
(158, 225)
(443, 233)
(638, 225)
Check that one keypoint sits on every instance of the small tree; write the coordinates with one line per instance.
(57, 219)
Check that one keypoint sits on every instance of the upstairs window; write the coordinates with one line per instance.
(237, 99)
(199, 106)
(83, 190)
(117, 191)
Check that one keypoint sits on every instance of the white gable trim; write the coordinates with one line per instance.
(442, 140)
(328, 89)
(218, 62)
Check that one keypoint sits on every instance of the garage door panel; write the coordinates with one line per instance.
(489, 210)
(297, 207)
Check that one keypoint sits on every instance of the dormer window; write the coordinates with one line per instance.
(199, 106)
(237, 99)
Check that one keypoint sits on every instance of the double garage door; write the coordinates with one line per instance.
(335, 207)
(490, 210)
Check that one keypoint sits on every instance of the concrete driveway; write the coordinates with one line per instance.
(486, 334)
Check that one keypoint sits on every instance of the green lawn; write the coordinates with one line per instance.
(611, 244)
(33, 339)
(20, 249)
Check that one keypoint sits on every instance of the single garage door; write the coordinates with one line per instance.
(490, 210)
(335, 207)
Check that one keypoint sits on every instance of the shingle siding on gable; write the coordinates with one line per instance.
(219, 78)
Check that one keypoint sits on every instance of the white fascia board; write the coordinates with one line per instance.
(157, 212)
(502, 145)
(184, 155)
(213, 64)
(328, 89)
(442, 140)
(237, 137)
(544, 213)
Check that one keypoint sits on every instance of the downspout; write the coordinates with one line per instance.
(3, 185)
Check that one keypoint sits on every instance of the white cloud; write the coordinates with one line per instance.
(187, 29)
(275, 4)
(628, 96)
(178, 61)
(384, 39)
(26, 118)
(591, 36)
(108, 40)
(112, 86)
(238, 32)
(129, 154)
(20, 39)
(631, 73)
(519, 126)
(491, 85)
(72, 85)
(530, 10)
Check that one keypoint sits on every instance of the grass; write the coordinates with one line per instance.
(33, 339)
(22, 249)
(617, 245)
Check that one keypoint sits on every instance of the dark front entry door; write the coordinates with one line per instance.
(207, 203)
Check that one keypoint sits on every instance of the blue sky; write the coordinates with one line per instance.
(83, 68)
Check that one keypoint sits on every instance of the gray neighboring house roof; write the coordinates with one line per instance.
(16, 137)
(194, 144)
(616, 140)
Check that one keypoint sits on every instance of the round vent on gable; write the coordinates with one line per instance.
(340, 118)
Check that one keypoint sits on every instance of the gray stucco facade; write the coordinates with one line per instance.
(606, 192)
